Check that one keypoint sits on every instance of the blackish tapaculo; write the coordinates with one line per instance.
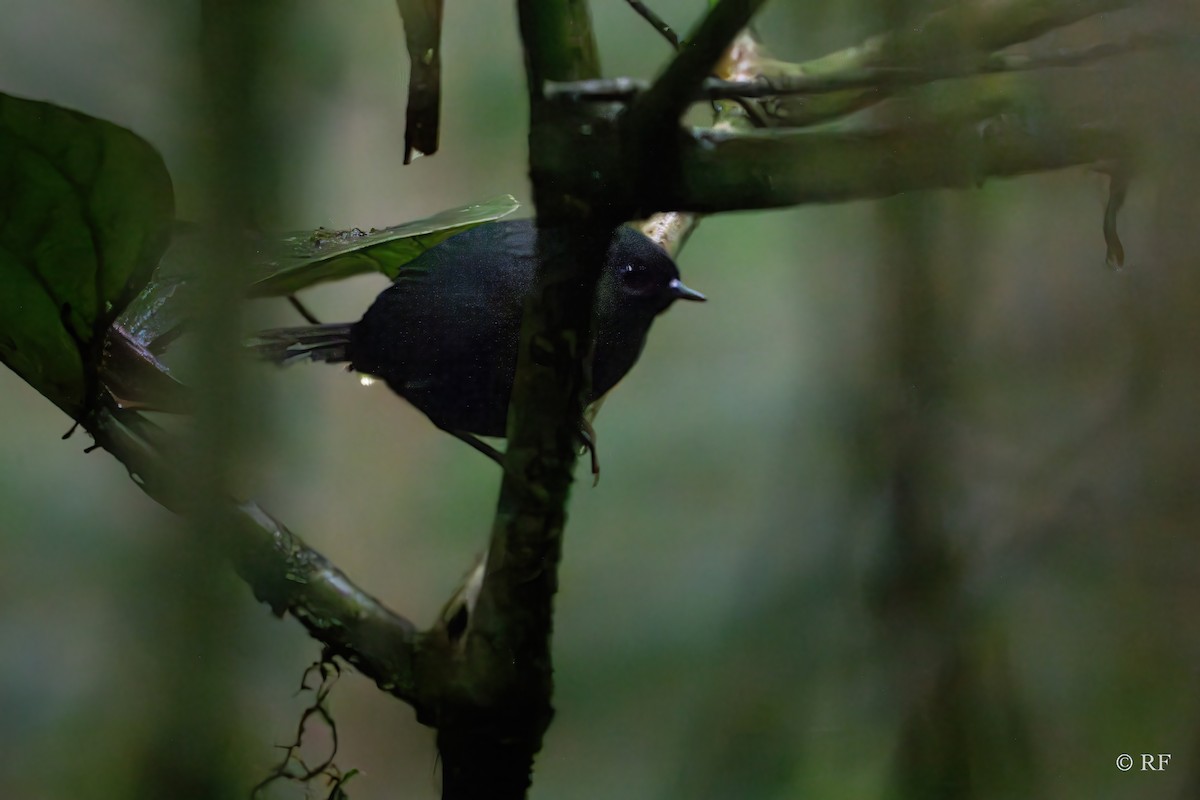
(444, 335)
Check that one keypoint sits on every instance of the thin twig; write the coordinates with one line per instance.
(658, 22)
(627, 89)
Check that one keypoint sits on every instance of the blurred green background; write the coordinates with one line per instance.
(908, 509)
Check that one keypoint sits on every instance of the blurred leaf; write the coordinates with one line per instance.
(302, 260)
(85, 213)
(157, 314)
(422, 36)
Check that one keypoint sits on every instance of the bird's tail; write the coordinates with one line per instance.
(283, 346)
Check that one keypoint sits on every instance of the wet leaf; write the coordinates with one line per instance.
(156, 316)
(85, 212)
(301, 260)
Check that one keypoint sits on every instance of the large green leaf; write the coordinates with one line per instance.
(301, 260)
(85, 212)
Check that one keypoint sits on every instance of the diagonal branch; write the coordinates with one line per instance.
(671, 229)
(649, 130)
(657, 22)
(280, 568)
(656, 112)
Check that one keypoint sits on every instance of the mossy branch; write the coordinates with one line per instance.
(493, 712)
(722, 171)
(958, 34)
(279, 567)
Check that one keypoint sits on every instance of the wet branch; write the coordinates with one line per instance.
(279, 567)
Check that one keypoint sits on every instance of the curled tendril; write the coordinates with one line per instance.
(293, 767)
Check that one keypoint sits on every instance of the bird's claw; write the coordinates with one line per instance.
(587, 434)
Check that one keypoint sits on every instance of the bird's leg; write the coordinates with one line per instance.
(481, 446)
(587, 434)
(302, 310)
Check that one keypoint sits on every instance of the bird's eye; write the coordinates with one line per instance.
(636, 277)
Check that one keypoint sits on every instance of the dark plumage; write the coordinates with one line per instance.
(444, 334)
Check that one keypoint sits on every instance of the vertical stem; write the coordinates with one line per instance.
(559, 44)
(488, 737)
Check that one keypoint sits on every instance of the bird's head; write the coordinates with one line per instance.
(640, 281)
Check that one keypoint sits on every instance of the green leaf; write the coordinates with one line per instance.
(85, 212)
(290, 263)
(302, 260)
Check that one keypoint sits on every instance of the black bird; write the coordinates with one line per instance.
(444, 335)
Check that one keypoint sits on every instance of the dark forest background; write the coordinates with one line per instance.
(916, 488)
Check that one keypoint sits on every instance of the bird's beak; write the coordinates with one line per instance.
(677, 291)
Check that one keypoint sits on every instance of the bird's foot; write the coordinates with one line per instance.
(481, 446)
(587, 435)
